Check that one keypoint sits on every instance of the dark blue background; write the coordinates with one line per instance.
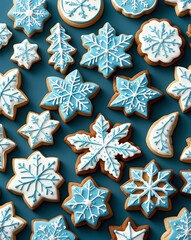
(34, 86)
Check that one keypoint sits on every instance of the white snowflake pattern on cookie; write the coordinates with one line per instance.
(182, 7)
(5, 35)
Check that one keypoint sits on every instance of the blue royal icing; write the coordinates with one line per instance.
(187, 177)
(5, 35)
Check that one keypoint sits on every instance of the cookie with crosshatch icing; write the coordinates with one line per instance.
(186, 154)
(128, 230)
(87, 203)
(5, 35)
(134, 95)
(80, 13)
(54, 229)
(134, 8)
(105, 146)
(159, 136)
(159, 42)
(36, 179)
(182, 7)
(149, 189)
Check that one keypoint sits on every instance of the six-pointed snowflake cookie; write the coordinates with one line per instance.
(134, 8)
(39, 129)
(71, 96)
(182, 7)
(54, 229)
(25, 54)
(6, 146)
(129, 231)
(149, 189)
(36, 179)
(60, 49)
(160, 42)
(134, 95)
(186, 154)
(186, 177)
(11, 97)
(5, 35)
(107, 51)
(29, 15)
(159, 136)
(10, 224)
(80, 13)
(179, 227)
(180, 88)
(104, 145)
(87, 203)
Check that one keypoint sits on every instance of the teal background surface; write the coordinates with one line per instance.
(34, 86)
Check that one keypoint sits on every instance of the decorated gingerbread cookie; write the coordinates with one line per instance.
(134, 95)
(54, 229)
(5, 35)
(186, 154)
(129, 231)
(149, 189)
(6, 146)
(11, 97)
(107, 51)
(87, 203)
(160, 42)
(36, 179)
(71, 96)
(188, 33)
(186, 177)
(39, 129)
(178, 227)
(182, 7)
(134, 8)
(103, 146)
(11, 224)
(80, 13)
(29, 15)
(25, 54)
(180, 88)
(159, 136)
(60, 49)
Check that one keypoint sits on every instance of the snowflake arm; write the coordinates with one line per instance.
(5, 35)
(182, 7)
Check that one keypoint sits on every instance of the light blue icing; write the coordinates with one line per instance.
(60, 48)
(88, 203)
(29, 14)
(181, 227)
(187, 177)
(134, 95)
(54, 229)
(5, 35)
(107, 51)
(139, 188)
(70, 95)
(135, 7)
(185, 2)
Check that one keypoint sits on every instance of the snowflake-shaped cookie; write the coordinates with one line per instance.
(6, 146)
(25, 54)
(36, 179)
(107, 51)
(134, 95)
(159, 136)
(5, 35)
(180, 89)
(186, 177)
(146, 184)
(134, 8)
(10, 224)
(182, 7)
(179, 227)
(39, 129)
(54, 229)
(103, 145)
(87, 203)
(129, 231)
(11, 97)
(29, 15)
(186, 154)
(80, 13)
(60, 48)
(71, 96)
(160, 42)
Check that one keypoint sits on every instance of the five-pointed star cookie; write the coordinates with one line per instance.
(134, 95)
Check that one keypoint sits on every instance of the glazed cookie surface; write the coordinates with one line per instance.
(182, 7)
(80, 13)
(160, 42)
(186, 178)
(5, 35)
(186, 154)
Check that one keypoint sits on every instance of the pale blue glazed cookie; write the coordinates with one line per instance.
(186, 177)
(5, 35)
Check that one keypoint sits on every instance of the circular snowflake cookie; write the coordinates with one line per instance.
(80, 13)
(182, 7)
(160, 42)
(134, 8)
